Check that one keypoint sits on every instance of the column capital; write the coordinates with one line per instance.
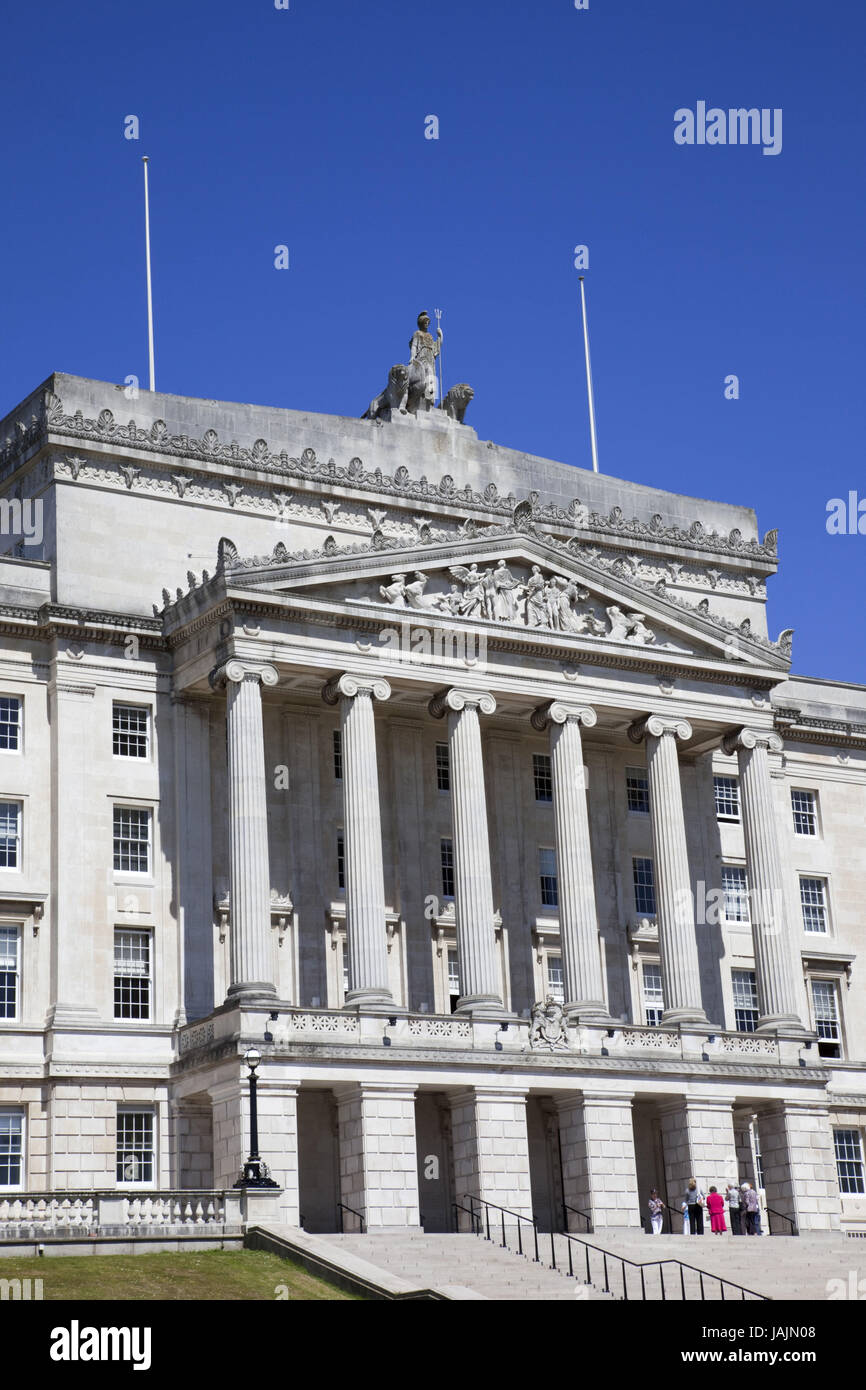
(654, 725)
(752, 738)
(560, 712)
(349, 686)
(235, 671)
(457, 699)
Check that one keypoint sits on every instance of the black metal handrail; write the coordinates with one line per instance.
(505, 1211)
(577, 1212)
(771, 1211)
(474, 1216)
(651, 1264)
(341, 1207)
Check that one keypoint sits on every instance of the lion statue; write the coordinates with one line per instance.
(394, 396)
(456, 401)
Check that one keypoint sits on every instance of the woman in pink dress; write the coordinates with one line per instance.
(716, 1208)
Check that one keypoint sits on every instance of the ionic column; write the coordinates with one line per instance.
(578, 923)
(678, 945)
(250, 949)
(777, 995)
(366, 936)
(473, 888)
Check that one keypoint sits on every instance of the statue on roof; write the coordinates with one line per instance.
(423, 351)
(412, 388)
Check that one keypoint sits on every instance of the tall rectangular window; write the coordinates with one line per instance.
(131, 974)
(10, 834)
(653, 994)
(804, 806)
(547, 877)
(848, 1144)
(11, 1147)
(338, 755)
(443, 768)
(813, 901)
(736, 891)
(726, 791)
(135, 1146)
(555, 980)
(453, 977)
(10, 724)
(341, 861)
(825, 1007)
(131, 840)
(637, 790)
(446, 863)
(644, 887)
(10, 952)
(542, 777)
(745, 987)
(129, 731)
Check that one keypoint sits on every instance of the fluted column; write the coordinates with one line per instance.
(366, 936)
(777, 995)
(578, 922)
(678, 945)
(250, 951)
(473, 888)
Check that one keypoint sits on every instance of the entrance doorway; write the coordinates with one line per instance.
(545, 1162)
(435, 1161)
(318, 1161)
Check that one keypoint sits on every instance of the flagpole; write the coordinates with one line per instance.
(149, 287)
(592, 434)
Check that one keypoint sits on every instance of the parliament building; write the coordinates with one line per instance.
(467, 787)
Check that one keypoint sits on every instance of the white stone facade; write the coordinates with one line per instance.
(313, 802)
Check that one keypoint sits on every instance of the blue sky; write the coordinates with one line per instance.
(305, 127)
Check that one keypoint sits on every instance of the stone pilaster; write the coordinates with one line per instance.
(777, 994)
(698, 1142)
(378, 1160)
(799, 1166)
(599, 1169)
(473, 888)
(491, 1148)
(366, 936)
(678, 945)
(250, 940)
(578, 923)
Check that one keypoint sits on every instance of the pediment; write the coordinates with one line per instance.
(514, 583)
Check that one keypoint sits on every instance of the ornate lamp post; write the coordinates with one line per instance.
(255, 1170)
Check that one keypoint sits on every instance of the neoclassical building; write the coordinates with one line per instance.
(467, 786)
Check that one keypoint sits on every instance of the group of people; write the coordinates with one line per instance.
(741, 1201)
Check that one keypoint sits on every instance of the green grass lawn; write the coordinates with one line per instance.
(208, 1275)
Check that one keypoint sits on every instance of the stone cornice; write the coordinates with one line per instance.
(800, 728)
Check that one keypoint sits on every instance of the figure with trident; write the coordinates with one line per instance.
(423, 351)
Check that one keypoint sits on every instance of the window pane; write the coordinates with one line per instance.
(736, 893)
(11, 1147)
(542, 777)
(849, 1161)
(443, 768)
(745, 990)
(10, 834)
(547, 877)
(9, 938)
(453, 972)
(338, 756)
(10, 723)
(131, 840)
(555, 982)
(637, 789)
(644, 886)
(135, 1146)
(446, 861)
(727, 796)
(814, 904)
(805, 815)
(131, 974)
(341, 862)
(129, 731)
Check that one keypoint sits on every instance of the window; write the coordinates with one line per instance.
(726, 791)
(653, 994)
(542, 777)
(813, 901)
(446, 861)
(736, 891)
(9, 971)
(745, 986)
(131, 974)
(759, 1162)
(135, 1146)
(637, 790)
(338, 756)
(849, 1161)
(547, 877)
(10, 834)
(453, 977)
(345, 966)
(555, 981)
(805, 808)
(443, 768)
(10, 724)
(826, 1012)
(11, 1147)
(341, 861)
(644, 886)
(131, 840)
(129, 731)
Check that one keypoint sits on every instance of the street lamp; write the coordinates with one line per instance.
(255, 1171)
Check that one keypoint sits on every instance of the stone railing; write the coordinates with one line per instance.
(29, 1215)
